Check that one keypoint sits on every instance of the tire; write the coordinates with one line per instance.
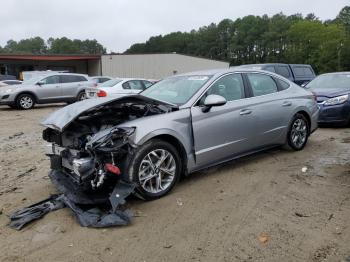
(298, 132)
(139, 169)
(25, 101)
(81, 96)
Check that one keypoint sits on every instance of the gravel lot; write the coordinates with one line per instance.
(261, 208)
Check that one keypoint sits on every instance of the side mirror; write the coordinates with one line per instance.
(40, 83)
(213, 100)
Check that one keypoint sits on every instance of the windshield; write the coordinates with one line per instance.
(176, 90)
(32, 81)
(111, 82)
(331, 81)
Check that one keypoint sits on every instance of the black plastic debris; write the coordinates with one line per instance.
(26, 215)
(93, 210)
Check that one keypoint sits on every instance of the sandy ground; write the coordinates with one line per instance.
(261, 208)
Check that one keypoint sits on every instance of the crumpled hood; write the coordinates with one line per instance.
(59, 119)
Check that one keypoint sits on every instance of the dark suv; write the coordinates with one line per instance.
(298, 73)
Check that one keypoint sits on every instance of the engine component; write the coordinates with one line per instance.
(83, 167)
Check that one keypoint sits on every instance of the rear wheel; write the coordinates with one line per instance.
(81, 96)
(25, 101)
(298, 132)
(155, 168)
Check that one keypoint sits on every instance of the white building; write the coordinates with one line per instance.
(155, 66)
(150, 66)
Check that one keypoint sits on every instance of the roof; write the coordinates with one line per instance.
(48, 57)
(167, 53)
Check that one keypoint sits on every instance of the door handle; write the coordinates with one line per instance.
(286, 103)
(245, 112)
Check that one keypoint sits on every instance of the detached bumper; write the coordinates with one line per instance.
(338, 114)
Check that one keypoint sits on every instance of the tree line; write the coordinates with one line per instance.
(37, 45)
(263, 39)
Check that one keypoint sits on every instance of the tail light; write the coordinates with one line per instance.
(112, 169)
(101, 93)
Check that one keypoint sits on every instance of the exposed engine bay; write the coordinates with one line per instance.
(92, 150)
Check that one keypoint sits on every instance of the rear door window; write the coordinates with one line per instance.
(72, 78)
(147, 84)
(283, 71)
(283, 85)
(133, 84)
(262, 84)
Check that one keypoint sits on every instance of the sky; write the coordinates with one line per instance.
(117, 24)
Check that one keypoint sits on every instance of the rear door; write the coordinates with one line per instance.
(223, 131)
(49, 90)
(71, 85)
(272, 107)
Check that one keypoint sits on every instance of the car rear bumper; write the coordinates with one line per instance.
(337, 114)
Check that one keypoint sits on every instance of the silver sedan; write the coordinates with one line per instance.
(177, 126)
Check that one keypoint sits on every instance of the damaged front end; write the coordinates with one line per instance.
(89, 152)
(94, 162)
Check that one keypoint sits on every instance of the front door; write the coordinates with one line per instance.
(223, 131)
(49, 90)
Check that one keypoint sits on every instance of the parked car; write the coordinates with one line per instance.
(297, 73)
(179, 125)
(48, 88)
(11, 82)
(26, 75)
(118, 86)
(100, 79)
(7, 77)
(333, 97)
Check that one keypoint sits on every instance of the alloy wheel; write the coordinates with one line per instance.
(157, 171)
(26, 102)
(299, 133)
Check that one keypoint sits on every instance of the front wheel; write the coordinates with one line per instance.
(155, 168)
(298, 132)
(25, 101)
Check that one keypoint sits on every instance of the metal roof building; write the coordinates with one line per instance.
(151, 66)
(155, 66)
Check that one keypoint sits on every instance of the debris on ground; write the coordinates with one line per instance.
(264, 238)
(89, 211)
(304, 169)
(16, 135)
(27, 172)
(298, 214)
(179, 202)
